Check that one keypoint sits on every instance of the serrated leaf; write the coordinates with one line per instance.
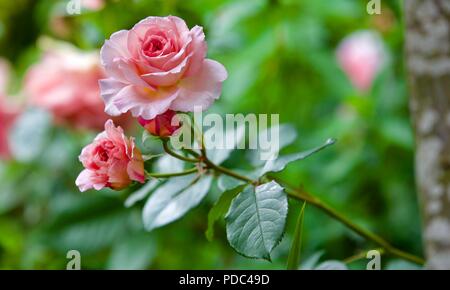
(29, 135)
(220, 209)
(280, 163)
(294, 253)
(256, 220)
(142, 192)
(174, 199)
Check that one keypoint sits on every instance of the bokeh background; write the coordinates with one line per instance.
(282, 57)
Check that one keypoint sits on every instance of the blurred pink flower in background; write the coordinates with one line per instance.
(361, 55)
(93, 4)
(112, 160)
(8, 112)
(158, 65)
(65, 82)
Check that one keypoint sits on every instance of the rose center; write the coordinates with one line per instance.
(154, 45)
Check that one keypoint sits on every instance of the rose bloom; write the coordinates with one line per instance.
(361, 55)
(112, 160)
(65, 82)
(158, 65)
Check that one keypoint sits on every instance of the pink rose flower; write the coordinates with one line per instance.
(158, 65)
(112, 160)
(65, 82)
(163, 125)
(361, 55)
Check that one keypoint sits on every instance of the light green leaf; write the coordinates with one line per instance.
(278, 164)
(169, 164)
(220, 209)
(226, 182)
(256, 220)
(294, 253)
(332, 265)
(228, 140)
(174, 199)
(288, 133)
(142, 192)
(30, 134)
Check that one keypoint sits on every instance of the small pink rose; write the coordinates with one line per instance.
(159, 65)
(112, 160)
(361, 55)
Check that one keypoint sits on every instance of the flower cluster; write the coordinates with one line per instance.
(157, 68)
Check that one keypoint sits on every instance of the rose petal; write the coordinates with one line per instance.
(202, 89)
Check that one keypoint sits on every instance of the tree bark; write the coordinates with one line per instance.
(428, 59)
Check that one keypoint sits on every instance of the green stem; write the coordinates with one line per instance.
(304, 196)
(357, 229)
(167, 175)
(360, 256)
(331, 212)
(176, 155)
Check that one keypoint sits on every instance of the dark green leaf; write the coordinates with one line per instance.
(174, 199)
(220, 209)
(278, 164)
(294, 253)
(256, 220)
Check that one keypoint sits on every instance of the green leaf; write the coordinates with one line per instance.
(169, 164)
(220, 144)
(294, 253)
(288, 133)
(142, 192)
(30, 134)
(332, 265)
(278, 164)
(226, 182)
(220, 209)
(256, 220)
(174, 199)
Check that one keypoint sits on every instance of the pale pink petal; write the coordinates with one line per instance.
(115, 47)
(198, 48)
(84, 180)
(147, 104)
(166, 78)
(202, 89)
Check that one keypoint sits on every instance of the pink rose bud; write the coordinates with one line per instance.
(112, 160)
(163, 125)
(159, 65)
(361, 56)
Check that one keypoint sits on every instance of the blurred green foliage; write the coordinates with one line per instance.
(280, 55)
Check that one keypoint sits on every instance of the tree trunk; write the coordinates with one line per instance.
(428, 53)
